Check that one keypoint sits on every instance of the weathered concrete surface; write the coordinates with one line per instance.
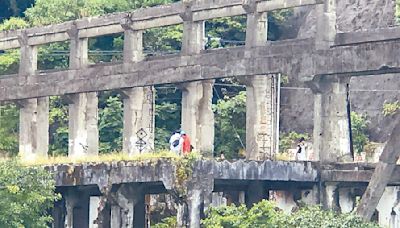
(197, 115)
(331, 123)
(290, 57)
(34, 113)
(139, 123)
(261, 117)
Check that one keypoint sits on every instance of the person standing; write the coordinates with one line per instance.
(301, 150)
(175, 143)
(186, 146)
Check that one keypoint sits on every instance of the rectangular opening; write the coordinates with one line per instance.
(229, 106)
(106, 49)
(110, 122)
(225, 32)
(58, 126)
(163, 40)
(279, 26)
(9, 62)
(167, 115)
(53, 56)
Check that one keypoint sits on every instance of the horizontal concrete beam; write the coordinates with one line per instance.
(356, 176)
(353, 38)
(164, 171)
(295, 57)
(141, 19)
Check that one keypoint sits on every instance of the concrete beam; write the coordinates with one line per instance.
(145, 18)
(295, 57)
(377, 35)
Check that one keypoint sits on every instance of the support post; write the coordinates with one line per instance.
(330, 196)
(326, 24)
(77, 209)
(346, 200)
(83, 111)
(331, 123)
(34, 112)
(261, 119)
(261, 97)
(127, 208)
(197, 115)
(139, 102)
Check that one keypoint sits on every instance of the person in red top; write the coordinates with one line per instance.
(186, 147)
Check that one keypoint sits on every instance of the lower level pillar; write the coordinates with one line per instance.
(83, 125)
(261, 117)
(94, 203)
(330, 196)
(346, 200)
(34, 128)
(128, 210)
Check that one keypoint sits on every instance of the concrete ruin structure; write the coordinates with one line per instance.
(112, 194)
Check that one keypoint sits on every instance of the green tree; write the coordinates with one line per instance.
(359, 126)
(110, 125)
(266, 214)
(26, 194)
(230, 122)
(9, 117)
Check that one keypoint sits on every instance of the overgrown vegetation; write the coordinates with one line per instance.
(266, 214)
(26, 194)
(290, 140)
(390, 108)
(359, 126)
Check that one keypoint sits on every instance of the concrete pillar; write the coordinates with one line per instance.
(285, 201)
(331, 123)
(77, 209)
(197, 114)
(261, 117)
(326, 24)
(128, 207)
(257, 25)
(346, 200)
(83, 130)
(256, 191)
(34, 113)
(138, 133)
(94, 203)
(310, 196)
(190, 210)
(261, 98)
(330, 196)
(83, 111)
(139, 103)
(388, 207)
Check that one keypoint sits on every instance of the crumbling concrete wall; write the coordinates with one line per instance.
(297, 104)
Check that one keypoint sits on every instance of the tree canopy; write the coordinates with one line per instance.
(26, 194)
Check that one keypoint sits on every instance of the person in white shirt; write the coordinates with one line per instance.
(301, 150)
(175, 142)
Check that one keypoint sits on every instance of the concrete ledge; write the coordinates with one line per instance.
(163, 171)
